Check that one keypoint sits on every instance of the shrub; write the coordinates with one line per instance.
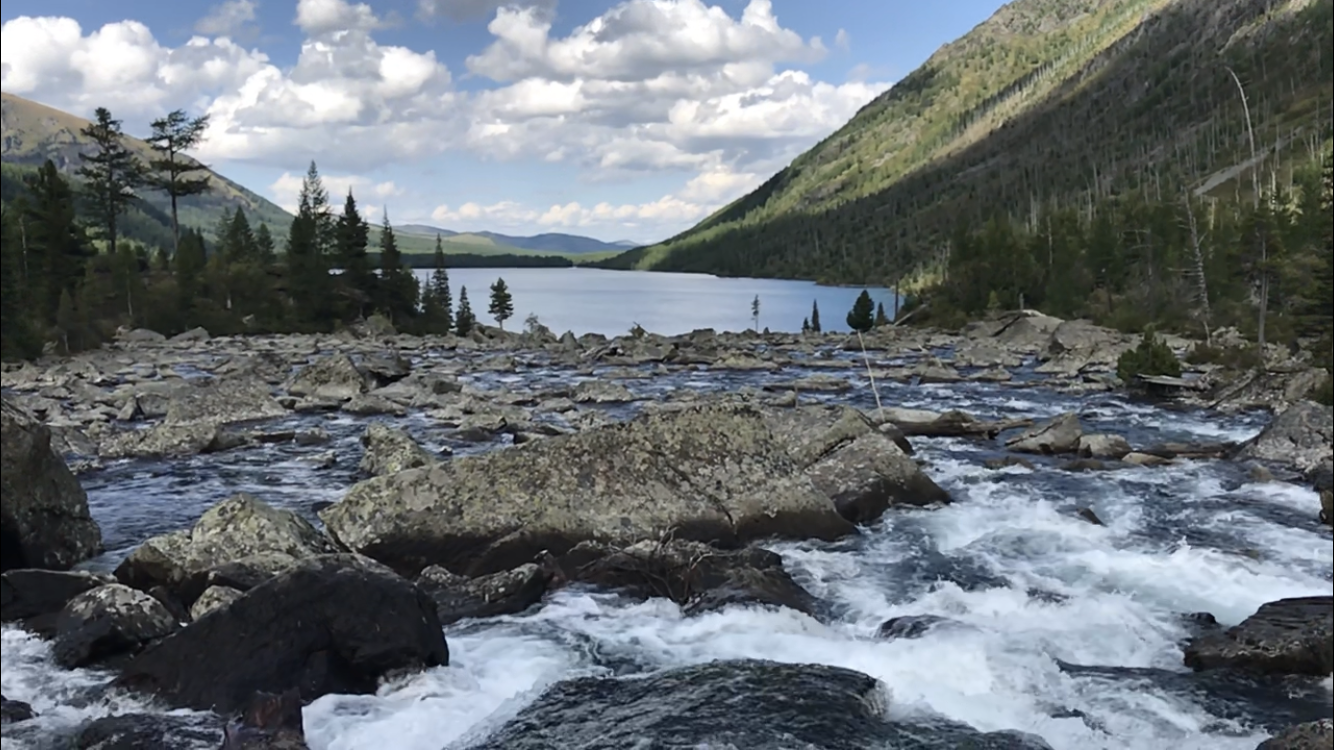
(1152, 357)
(1237, 357)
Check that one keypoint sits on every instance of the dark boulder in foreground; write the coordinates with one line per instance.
(107, 621)
(1313, 735)
(12, 712)
(714, 473)
(270, 722)
(459, 597)
(757, 705)
(1288, 636)
(34, 597)
(331, 624)
(44, 520)
(140, 731)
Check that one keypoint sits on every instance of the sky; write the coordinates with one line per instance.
(617, 120)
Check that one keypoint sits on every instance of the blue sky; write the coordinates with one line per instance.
(618, 120)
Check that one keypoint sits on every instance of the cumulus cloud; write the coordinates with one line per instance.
(229, 19)
(286, 191)
(647, 86)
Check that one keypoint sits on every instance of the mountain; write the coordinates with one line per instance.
(1049, 103)
(34, 132)
(547, 243)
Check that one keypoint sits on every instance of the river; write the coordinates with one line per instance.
(590, 300)
(1068, 630)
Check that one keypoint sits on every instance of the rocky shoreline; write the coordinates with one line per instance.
(662, 499)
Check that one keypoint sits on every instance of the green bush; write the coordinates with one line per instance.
(1239, 357)
(1151, 357)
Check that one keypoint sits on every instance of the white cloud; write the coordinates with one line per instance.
(843, 41)
(286, 190)
(227, 19)
(649, 85)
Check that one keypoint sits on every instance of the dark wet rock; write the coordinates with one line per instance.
(1190, 450)
(1085, 464)
(389, 450)
(385, 368)
(1300, 437)
(460, 597)
(222, 401)
(1104, 446)
(1088, 515)
(1288, 636)
(334, 377)
(1002, 462)
(922, 423)
(1313, 735)
(713, 473)
(752, 704)
(911, 626)
(240, 527)
(35, 597)
(1059, 435)
(108, 621)
(270, 722)
(12, 712)
(157, 731)
(332, 624)
(697, 576)
(44, 519)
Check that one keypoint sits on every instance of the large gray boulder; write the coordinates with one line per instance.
(107, 621)
(44, 518)
(1313, 735)
(223, 401)
(238, 529)
(1302, 437)
(389, 450)
(1058, 435)
(1288, 636)
(715, 473)
(334, 377)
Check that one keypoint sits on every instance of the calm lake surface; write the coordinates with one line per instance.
(588, 300)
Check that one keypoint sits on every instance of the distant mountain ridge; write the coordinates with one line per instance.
(34, 132)
(549, 242)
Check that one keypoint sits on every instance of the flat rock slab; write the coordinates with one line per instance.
(1288, 636)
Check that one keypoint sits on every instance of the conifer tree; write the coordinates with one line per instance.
(351, 239)
(502, 304)
(189, 267)
(437, 302)
(464, 320)
(18, 339)
(881, 319)
(862, 316)
(56, 249)
(307, 241)
(265, 248)
(815, 317)
(755, 312)
(110, 174)
(172, 171)
(398, 287)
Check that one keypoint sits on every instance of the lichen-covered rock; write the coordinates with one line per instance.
(107, 621)
(1302, 437)
(223, 401)
(213, 598)
(602, 392)
(389, 450)
(34, 597)
(1058, 435)
(44, 519)
(1104, 446)
(712, 473)
(164, 440)
(240, 527)
(1288, 636)
(460, 597)
(331, 624)
(334, 377)
(1313, 735)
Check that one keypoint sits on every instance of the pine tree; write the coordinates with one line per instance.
(110, 174)
(815, 317)
(755, 312)
(237, 239)
(437, 302)
(56, 249)
(351, 240)
(307, 241)
(265, 248)
(805, 325)
(172, 171)
(502, 304)
(189, 264)
(881, 319)
(18, 338)
(398, 287)
(464, 320)
(862, 316)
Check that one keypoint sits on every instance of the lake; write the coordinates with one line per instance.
(590, 300)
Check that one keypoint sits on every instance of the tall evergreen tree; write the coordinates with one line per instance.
(464, 320)
(862, 316)
(237, 240)
(18, 339)
(265, 248)
(189, 266)
(56, 249)
(815, 317)
(307, 241)
(351, 239)
(110, 174)
(437, 302)
(398, 287)
(172, 171)
(881, 319)
(502, 304)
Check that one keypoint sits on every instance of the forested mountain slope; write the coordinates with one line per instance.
(34, 132)
(1049, 104)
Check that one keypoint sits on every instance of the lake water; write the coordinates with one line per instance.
(589, 300)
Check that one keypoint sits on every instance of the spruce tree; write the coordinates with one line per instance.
(398, 287)
(755, 312)
(172, 171)
(881, 319)
(862, 316)
(464, 320)
(189, 267)
(265, 248)
(237, 240)
(815, 317)
(502, 304)
(307, 241)
(18, 338)
(110, 174)
(438, 302)
(56, 249)
(351, 239)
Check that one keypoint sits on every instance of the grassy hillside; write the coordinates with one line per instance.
(35, 132)
(1047, 103)
(418, 239)
(546, 243)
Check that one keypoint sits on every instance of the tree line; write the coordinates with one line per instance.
(69, 277)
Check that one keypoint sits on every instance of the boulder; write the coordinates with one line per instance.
(12, 712)
(222, 401)
(214, 597)
(270, 722)
(732, 703)
(107, 621)
(1058, 435)
(1104, 446)
(168, 440)
(1300, 437)
(370, 405)
(1027, 331)
(602, 392)
(696, 576)
(911, 626)
(334, 377)
(459, 597)
(1313, 735)
(240, 527)
(1288, 636)
(713, 472)
(35, 597)
(331, 624)
(44, 518)
(389, 450)
(140, 731)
